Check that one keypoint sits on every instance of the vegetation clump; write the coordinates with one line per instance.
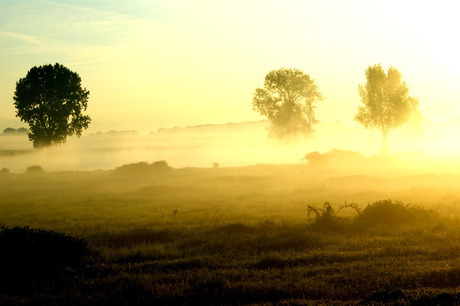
(143, 168)
(35, 169)
(391, 213)
(327, 218)
(14, 132)
(35, 257)
(4, 171)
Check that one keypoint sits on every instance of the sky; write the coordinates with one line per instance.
(164, 63)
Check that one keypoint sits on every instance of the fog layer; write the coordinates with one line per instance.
(229, 145)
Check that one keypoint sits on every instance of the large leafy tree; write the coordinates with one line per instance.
(386, 101)
(51, 100)
(288, 101)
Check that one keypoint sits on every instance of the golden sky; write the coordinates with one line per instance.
(164, 63)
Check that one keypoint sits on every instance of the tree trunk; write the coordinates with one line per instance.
(384, 150)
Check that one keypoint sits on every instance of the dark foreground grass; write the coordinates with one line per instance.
(160, 236)
(239, 264)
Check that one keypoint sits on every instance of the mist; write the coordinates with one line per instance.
(430, 147)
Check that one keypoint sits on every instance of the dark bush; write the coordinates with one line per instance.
(35, 169)
(33, 257)
(327, 219)
(388, 212)
(4, 171)
(143, 168)
(12, 132)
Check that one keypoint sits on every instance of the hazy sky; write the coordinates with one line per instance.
(163, 63)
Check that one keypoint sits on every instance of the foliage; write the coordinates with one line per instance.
(51, 100)
(143, 168)
(288, 100)
(34, 257)
(4, 171)
(386, 101)
(35, 169)
(327, 217)
(11, 131)
(392, 213)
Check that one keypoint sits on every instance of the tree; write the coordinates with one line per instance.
(386, 101)
(51, 100)
(288, 100)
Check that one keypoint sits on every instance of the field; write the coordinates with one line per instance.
(150, 234)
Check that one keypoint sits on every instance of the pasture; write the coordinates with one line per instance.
(150, 233)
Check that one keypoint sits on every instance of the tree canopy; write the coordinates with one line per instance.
(386, 101)
(288, 101)
(51, 100)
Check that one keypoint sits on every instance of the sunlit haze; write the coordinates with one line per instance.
(229, 152)
(152, 64)
(161, 64)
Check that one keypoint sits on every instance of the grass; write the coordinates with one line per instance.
(225, 236)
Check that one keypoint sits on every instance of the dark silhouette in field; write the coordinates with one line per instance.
(13, 132)
(288, 100)
(380, 213)
(35, 169)
(386, 101)
(143, 168)
(51, 100)
(33, 259)
(334, 158)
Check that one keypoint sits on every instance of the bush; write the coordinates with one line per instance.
(392, 213)
(142, 168)
(327, 217)
(35, 169)
(4, 171)
(33, 257)
(12, 132)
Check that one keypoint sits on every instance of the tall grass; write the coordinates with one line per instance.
(222, 236)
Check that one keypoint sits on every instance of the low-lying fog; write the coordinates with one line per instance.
(232, 145)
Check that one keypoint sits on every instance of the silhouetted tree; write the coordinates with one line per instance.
(386, 101)
(51, 100)
(288, 101)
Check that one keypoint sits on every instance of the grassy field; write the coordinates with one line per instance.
(146, 233)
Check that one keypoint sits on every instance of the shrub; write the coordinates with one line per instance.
(12, 132)
(35, 169)
(393, 213)
(4, 171)
(142, 168)
(327, 217)
(34, 257)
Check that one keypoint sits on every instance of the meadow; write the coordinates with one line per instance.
(147, 233)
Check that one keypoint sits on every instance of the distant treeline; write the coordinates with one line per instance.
(214, 127)
(116, 133)
(12, 132)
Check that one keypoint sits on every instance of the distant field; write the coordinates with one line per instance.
(233, 235)
(232, 145)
